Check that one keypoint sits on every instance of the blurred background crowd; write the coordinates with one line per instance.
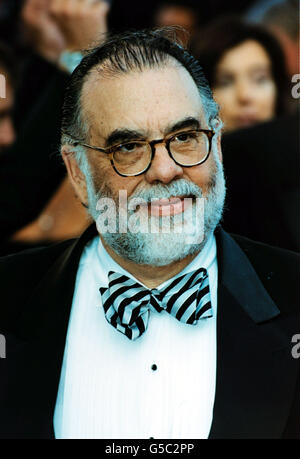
(249, 51)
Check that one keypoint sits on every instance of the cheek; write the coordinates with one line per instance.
(268, 98)
(225, 98)
(220, 95)
(201, 175)
(106, 177)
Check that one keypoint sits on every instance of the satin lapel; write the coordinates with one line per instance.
(39, 347)
(256, 374)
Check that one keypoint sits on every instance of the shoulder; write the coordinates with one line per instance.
(264, 255)
(21, 273)
(37, 259)
(278, 270)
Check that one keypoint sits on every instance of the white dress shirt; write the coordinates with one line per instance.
(161, 385)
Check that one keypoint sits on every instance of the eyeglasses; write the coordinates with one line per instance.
(186, 148)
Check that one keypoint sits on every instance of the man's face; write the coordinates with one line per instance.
(151, 104)
(7, 131)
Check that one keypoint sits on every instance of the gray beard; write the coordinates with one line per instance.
(167, 244)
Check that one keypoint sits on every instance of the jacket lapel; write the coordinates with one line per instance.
(37, 348)
(256, 374)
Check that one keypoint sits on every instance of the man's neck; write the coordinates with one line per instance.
(151, 276)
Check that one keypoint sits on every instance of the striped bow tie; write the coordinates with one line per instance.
(127, 303)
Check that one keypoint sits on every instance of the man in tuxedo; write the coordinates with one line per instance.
(156, 322)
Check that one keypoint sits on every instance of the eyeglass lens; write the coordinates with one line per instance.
(186, 148)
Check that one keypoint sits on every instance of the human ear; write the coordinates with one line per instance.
(219, 147)
(217, 126)
(75, 174)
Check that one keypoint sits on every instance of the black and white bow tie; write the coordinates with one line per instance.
(127, 303)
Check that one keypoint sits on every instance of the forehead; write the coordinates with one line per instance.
(148, 101)
(247, 55)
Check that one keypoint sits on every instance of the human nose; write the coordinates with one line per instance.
(163, 168)
(244, 92)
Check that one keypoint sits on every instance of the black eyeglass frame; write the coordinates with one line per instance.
(165, 141)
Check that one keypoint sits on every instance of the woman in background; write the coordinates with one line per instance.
(245, 66)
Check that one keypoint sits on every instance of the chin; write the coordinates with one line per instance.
(155, 249)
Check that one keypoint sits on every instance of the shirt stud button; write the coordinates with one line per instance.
(154, 367)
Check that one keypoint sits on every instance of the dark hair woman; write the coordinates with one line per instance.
(245, 67)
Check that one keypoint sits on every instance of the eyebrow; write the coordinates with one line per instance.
(260, 67)
(256, 66)
(127, 135)
(188, 122)
(123, 135)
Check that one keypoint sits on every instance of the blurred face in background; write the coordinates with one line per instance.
(7, 131)
(180, 15)
(244, 86)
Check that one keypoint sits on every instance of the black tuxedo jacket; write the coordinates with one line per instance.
(262, 168)
(258, 382)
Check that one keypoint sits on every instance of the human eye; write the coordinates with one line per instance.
(223, 81)
(129, 152)
(261, 76)
(130, 147)
(184, 137)
(260, 79)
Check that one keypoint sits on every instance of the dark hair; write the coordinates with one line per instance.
(8, 64)
(216, 39)
(123, 53)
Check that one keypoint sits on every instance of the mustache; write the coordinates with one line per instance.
(179, 188)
